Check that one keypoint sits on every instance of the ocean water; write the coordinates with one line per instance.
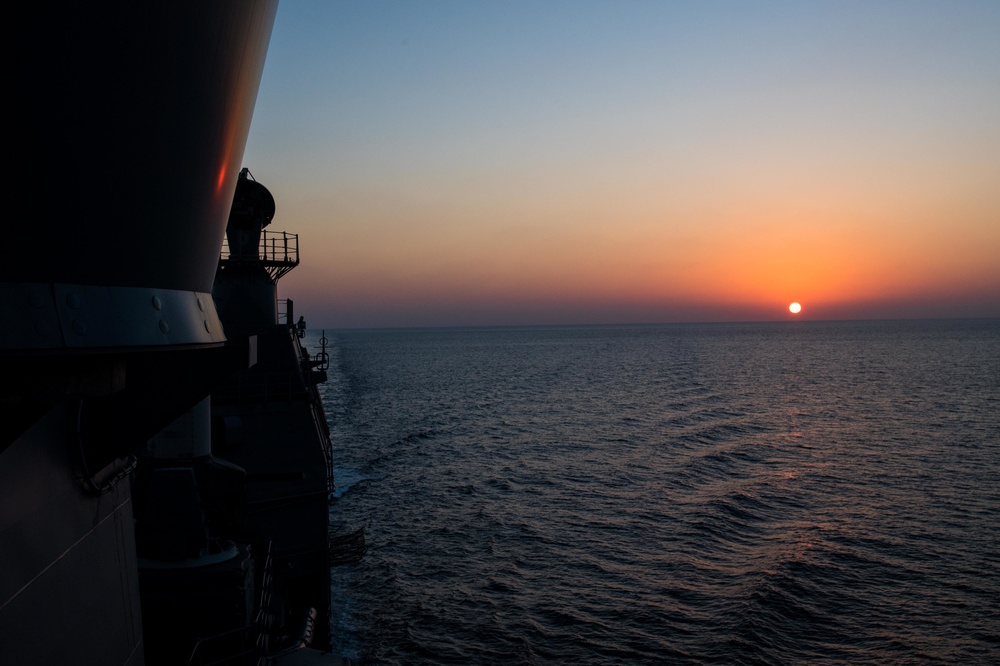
(783, 493)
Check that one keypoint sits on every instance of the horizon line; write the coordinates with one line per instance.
(789, 320)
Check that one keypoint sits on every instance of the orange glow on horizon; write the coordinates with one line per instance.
(864, 187)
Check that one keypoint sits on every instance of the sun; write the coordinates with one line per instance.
(795, 308)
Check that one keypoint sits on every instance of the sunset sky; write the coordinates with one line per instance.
(492, 163)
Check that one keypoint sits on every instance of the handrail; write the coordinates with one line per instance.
(277, 252)
(275, 246)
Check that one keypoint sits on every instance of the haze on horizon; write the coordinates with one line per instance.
(516, 163)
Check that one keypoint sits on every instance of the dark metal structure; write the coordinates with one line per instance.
(123, 534)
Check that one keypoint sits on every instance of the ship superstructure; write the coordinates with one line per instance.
(139, 519)
(232, 498)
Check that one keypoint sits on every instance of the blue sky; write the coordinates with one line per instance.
(576, 162)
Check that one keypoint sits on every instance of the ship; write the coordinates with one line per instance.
(165, 461)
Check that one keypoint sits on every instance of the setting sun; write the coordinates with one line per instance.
(795, 308)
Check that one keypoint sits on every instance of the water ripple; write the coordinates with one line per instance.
(728, 494)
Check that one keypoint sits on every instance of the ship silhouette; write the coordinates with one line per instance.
(165, 462)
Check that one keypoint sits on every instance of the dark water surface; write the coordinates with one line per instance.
(788, 493)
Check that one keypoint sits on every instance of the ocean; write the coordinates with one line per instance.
(767, 493)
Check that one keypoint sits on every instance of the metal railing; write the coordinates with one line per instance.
(275, 247)
(277, 252)
(279, 246)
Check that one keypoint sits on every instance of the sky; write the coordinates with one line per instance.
(467, 163)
